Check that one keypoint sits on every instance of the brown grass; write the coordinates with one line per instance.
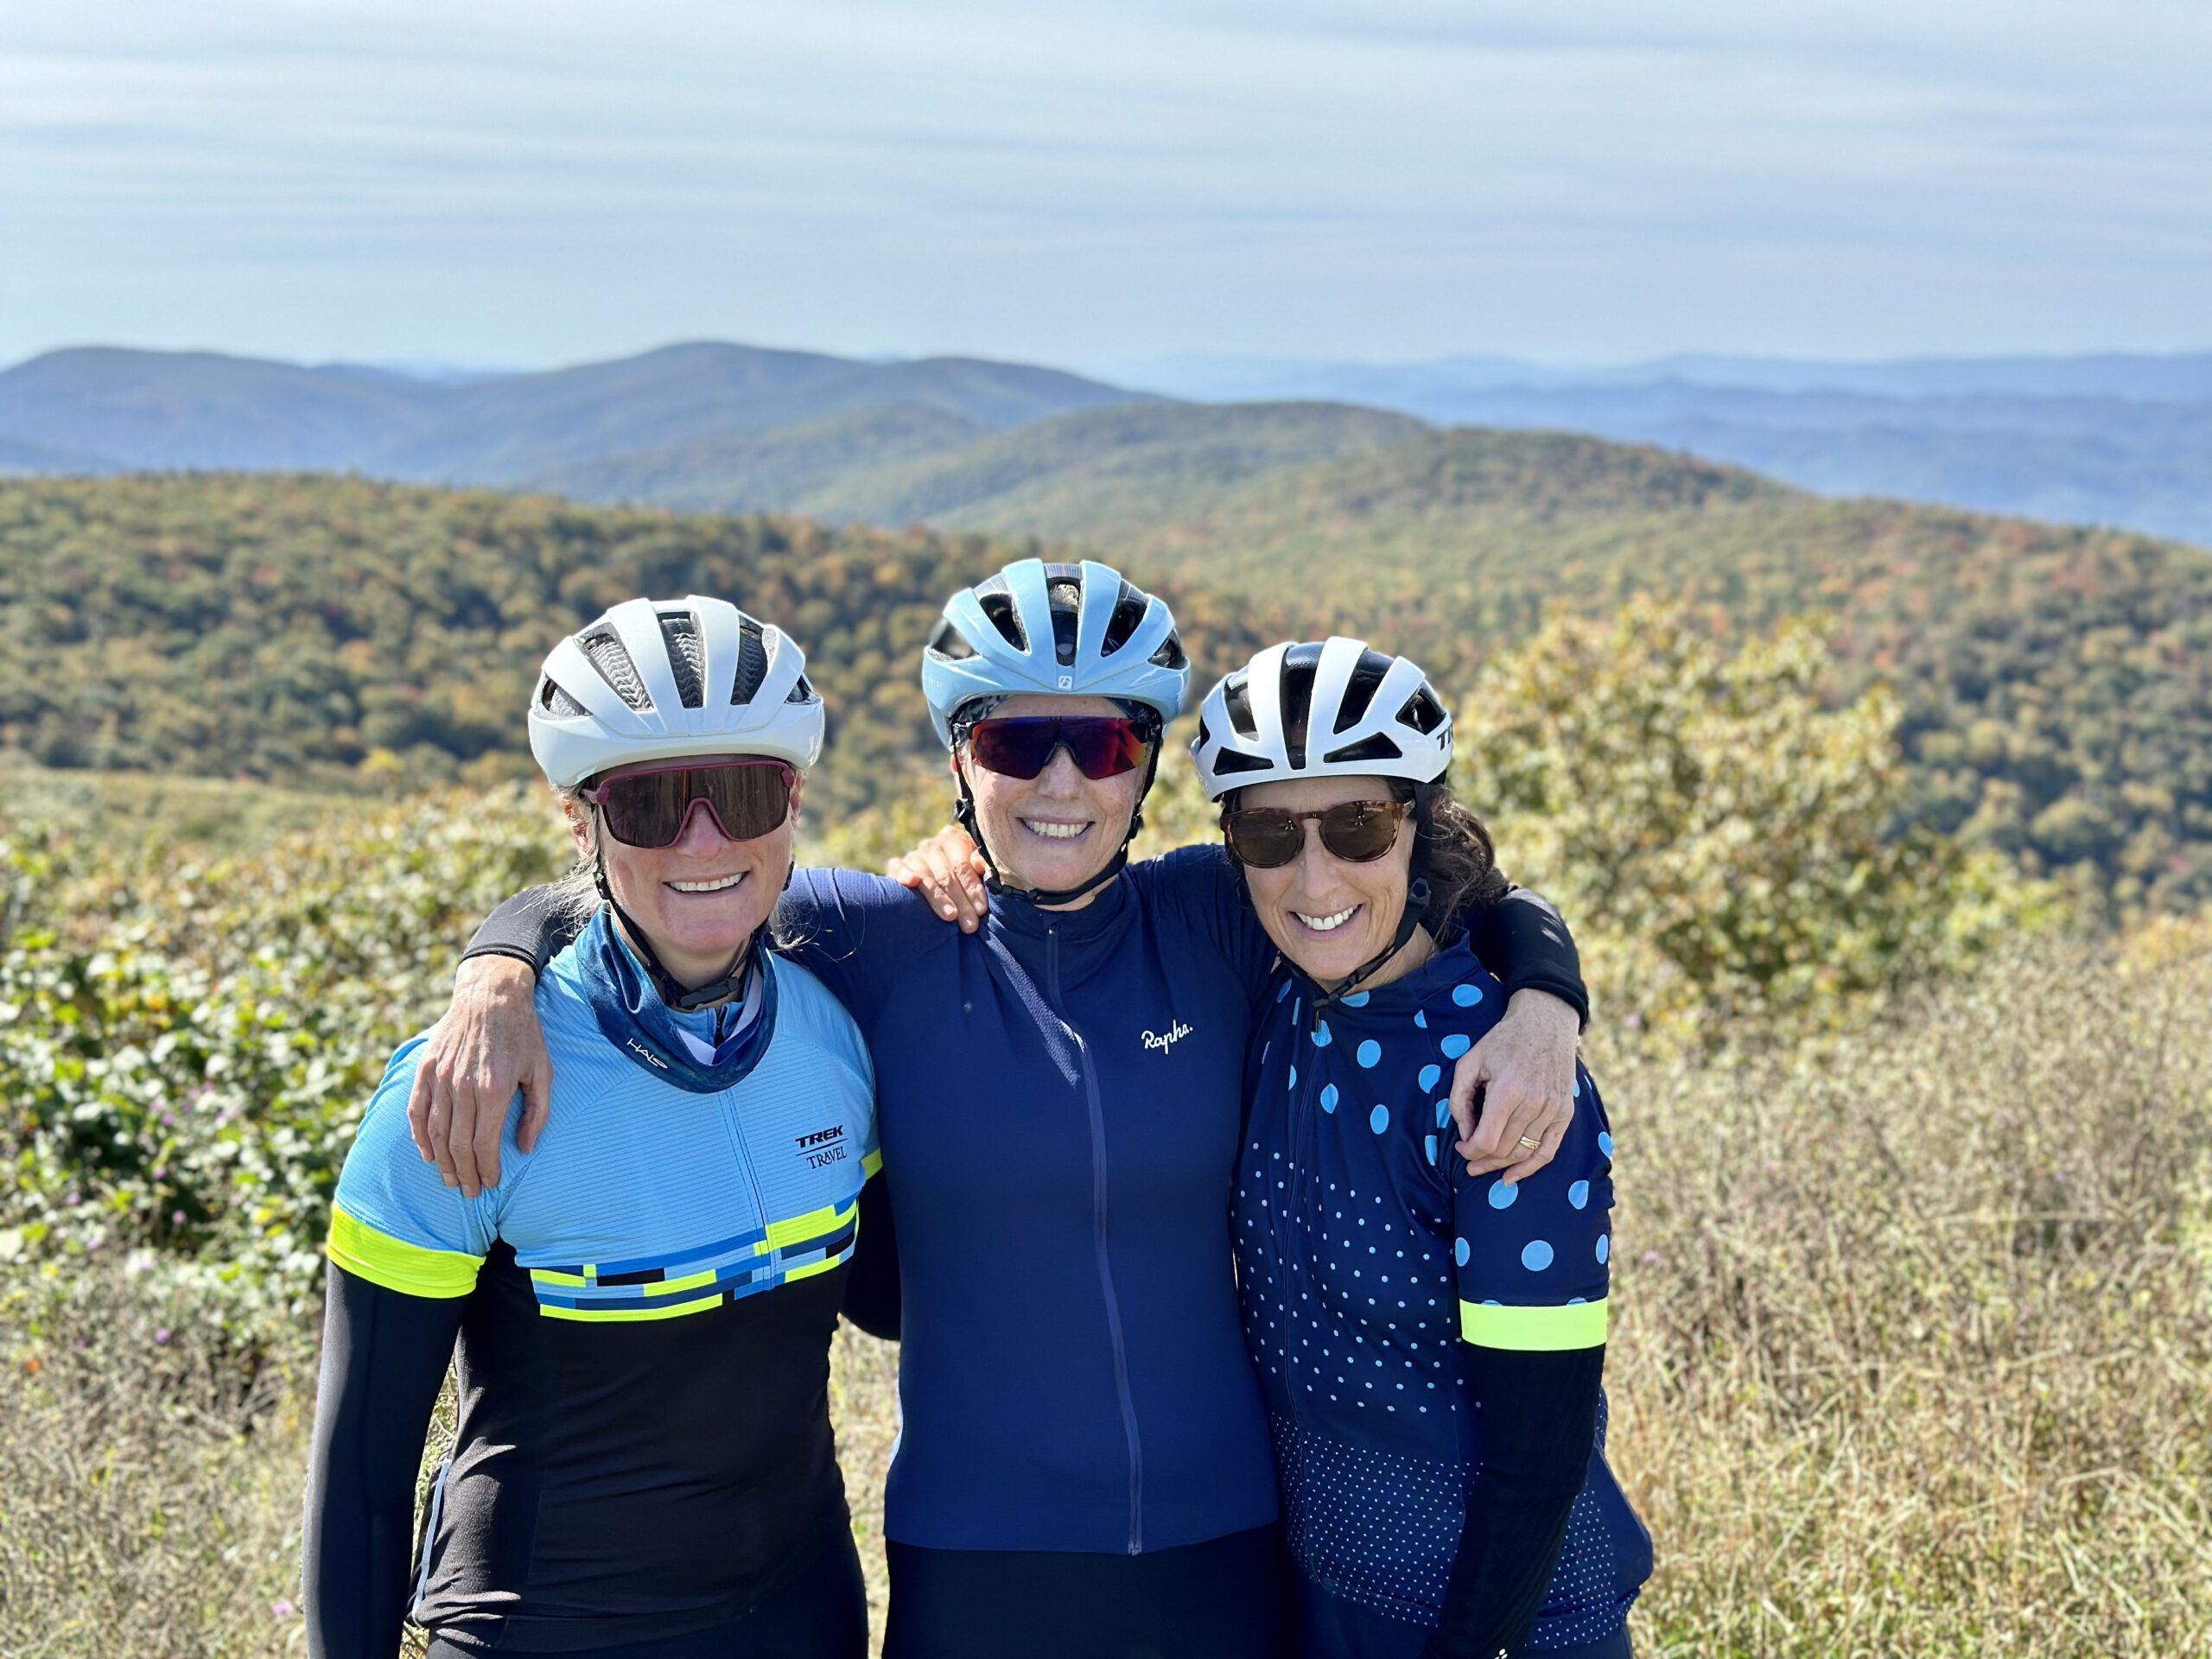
(1916, 1350)
(1914, 1358)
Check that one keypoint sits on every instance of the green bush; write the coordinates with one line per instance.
(1726, 843)
(186, 1049)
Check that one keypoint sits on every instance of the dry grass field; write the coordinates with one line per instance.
(1914, 1358)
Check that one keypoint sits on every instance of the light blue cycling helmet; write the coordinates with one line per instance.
(1063, 630)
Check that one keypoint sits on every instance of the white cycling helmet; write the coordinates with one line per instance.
(1064, 630)
(1331, 710)
(664, 679)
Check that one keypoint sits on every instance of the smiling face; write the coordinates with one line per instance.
(1058, 830)
(1328, 916)
(699, 900)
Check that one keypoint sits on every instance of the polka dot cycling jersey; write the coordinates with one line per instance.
(1366, 1256)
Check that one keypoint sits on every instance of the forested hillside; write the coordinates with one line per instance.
(2056, 683)
(1099, 472)
(332, 631)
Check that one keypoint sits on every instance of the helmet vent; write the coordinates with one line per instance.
(1422, 712)
(999, 611)
(1299, 665)
(1236, 700)
(1129, 611)
(679, 631)
(605, 650)
(752, 662)
(557, 703)
(801, 691)
(1236, 761)
(949, 643)
(1063, 597)
(1375, 747)
(1170, 655)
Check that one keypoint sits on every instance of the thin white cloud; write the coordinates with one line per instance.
(535, 180)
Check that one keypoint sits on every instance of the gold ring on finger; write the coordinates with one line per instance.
(1532, 1143)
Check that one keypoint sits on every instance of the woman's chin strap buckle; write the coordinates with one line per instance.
(1418, 894)
(963, 812)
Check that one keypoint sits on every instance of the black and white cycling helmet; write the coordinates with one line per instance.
(1338, 708)
(665, 679)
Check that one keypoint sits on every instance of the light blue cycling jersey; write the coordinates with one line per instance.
(649, 1296)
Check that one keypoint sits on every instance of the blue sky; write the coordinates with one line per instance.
(534, 182)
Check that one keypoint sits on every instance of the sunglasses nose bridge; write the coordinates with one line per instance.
(1059, 769)
(714, 832)
(1315, 860)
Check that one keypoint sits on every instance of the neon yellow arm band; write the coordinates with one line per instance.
(1534, 1329)
(397, 1264)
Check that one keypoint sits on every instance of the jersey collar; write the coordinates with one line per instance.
(633, 1018)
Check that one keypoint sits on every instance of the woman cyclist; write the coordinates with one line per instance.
(1430, 1343)
(1083, 1467)
(643, 1466)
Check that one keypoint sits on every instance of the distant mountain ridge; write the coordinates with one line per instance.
(2108, 438)
(112, 409)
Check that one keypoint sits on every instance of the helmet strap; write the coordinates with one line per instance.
(1409, 920)
(730, 986)
(964, 811)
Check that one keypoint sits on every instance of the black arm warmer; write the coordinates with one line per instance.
(872, 1298)
(1539, 1420)
(1523, 941)
(383, 1359)
(534, 926)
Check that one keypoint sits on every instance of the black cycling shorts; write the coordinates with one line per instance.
(1220, 1599)
(821, 1614)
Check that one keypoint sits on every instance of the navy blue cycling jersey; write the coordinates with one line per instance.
(1058, 1097)
(1367, 1255)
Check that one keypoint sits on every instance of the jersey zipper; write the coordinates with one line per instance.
(1303, 1156)
(735, 1129)
(1098, 1208)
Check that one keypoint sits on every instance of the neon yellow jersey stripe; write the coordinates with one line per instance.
(394, 1263)
(871, 1164)
(804, 1230)
(689, 1281)
(1534, 1329)
(614, 1315)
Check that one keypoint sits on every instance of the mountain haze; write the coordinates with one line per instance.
(2105, 439)
(139, 409)
(107, 408)
(2114, 438)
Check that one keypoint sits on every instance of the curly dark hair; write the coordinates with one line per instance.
(1463, 871)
